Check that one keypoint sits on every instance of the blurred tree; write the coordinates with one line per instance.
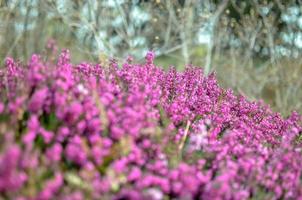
(114, 27)
(268, 29)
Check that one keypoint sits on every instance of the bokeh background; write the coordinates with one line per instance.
(254, 46)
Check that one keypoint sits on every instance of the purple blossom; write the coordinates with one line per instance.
(139, 132)
(37, 100)
(1, 107)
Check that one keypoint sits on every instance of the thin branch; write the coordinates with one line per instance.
(184, 138)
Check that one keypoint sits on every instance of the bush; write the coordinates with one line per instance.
(138, 132)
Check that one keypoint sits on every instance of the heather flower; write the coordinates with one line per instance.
(74, 151)
(46, 135)
(37, 100)
(134, 174)
(11, 179)
(74, 196)
(33, 130)
(62, 133)
(154, 193)
(1, 107)
(54, 153)
(150, 57)
(51, 187)
(139, 132)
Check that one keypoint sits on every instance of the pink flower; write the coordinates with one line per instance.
(1, 107)
(37, 100)
(54, 153)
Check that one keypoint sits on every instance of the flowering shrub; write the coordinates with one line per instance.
(137, 132)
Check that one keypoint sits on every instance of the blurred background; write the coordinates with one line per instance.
(254, 46)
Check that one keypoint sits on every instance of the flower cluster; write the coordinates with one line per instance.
(87, 131)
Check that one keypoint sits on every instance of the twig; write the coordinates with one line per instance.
(184, 138)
